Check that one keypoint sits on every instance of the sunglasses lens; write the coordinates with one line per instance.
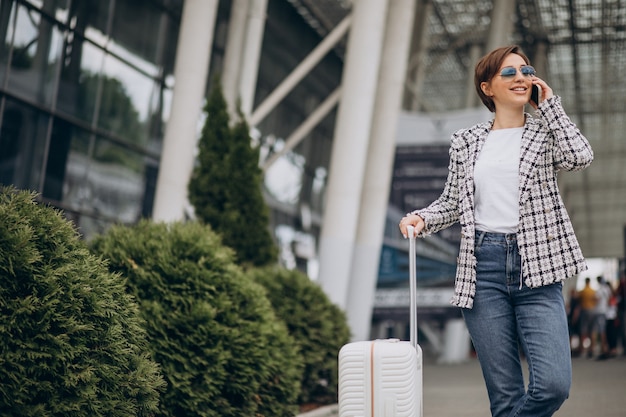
(508, 72)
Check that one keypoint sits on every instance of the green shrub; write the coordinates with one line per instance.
(72, 342)
(319, 327)
(222, 350)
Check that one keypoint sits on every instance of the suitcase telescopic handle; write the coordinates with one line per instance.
(412, 288)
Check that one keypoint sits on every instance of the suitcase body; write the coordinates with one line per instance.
(383, 378)
(380, 378)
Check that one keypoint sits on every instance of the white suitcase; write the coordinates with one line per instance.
(383, 378)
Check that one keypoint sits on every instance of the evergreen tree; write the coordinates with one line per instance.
(225, 188)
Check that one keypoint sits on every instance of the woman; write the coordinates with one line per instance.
(517, 241)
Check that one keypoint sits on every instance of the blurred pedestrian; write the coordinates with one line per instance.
(612, 324)
(603, 294)
(573, 322)
(588, 301)
(621, 312)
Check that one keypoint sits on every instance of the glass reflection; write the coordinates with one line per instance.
(91, 226)
(68, 165)
(137, 32)
(80, 83)
(126, 99)
(35, 57)
(101, 178)
(7, 20)
(22, 145)
(90, 19)
(107, 64)
(116, 178)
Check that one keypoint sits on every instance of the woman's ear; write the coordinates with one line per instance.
(486, 89)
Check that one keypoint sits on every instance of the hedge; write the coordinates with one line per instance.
(71, 339)
(318, 326)
(212, 329)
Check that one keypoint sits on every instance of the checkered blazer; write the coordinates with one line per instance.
(548, 246)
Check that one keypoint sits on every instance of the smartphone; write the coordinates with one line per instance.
(535, 94)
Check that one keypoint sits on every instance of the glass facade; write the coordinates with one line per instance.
(296, 182)
(84, 91)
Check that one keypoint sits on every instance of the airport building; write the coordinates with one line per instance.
(352, 103)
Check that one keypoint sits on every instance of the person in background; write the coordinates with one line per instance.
(612, 324)
(588, 301)
(573, 322)
(603, 294)
(621, 311)
(517, 241)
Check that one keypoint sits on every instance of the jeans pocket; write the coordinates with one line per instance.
(478, 241)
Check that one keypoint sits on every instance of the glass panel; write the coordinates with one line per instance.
(67, 167)
(90, 19)
(22, 145)
(126, 101)
(116, 178)
(35, 57)
(91, 226)
(7, 20)
(93, 175)
(56, 8)
(79, 79)
(137, 30)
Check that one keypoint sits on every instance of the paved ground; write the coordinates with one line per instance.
(598, 390)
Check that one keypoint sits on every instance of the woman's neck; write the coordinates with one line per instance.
(506, 119)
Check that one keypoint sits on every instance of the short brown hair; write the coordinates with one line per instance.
(488, 67)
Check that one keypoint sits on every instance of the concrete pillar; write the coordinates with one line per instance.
(420, 40)
(252, 54)
(350, 147)
(471, 99)
(190, 72)
(243, 53)
(502, 24)
(457, 342)
(379, 167)
(540, 60)
(235, 40)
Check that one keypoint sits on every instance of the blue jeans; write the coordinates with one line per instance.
(507, 316)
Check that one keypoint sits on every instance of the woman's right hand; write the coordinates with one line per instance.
(411, 220)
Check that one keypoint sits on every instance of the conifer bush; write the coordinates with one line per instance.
(212, 329)
(225, 188)
(318, 326)
(72, 342)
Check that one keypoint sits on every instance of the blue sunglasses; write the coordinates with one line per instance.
(510, 72)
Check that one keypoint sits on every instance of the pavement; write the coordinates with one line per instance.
(458, 390)
(598, 390)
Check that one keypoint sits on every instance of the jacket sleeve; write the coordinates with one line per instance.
(444, 211)
(571, 150)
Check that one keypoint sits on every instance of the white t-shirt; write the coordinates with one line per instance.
(496, 182)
